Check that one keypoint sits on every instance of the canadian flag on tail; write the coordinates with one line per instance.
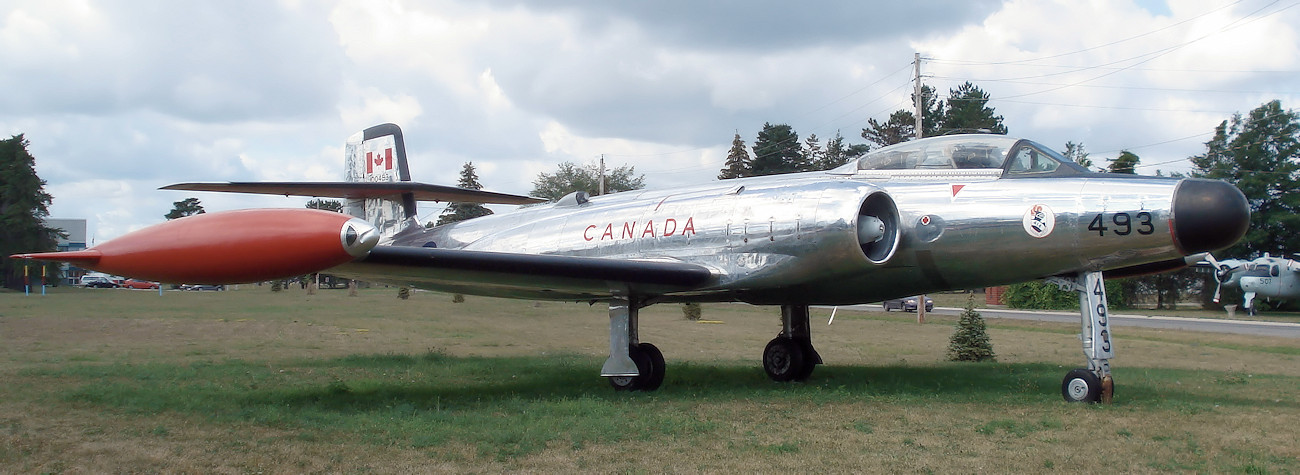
(382, 159)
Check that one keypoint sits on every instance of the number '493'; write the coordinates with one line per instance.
(1122, 224)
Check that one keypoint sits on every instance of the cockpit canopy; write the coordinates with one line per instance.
(1015, 157)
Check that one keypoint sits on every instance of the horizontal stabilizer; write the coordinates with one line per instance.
(361, 190)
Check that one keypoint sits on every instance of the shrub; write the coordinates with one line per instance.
(970, 341)
(691, 311)
(1044, 296)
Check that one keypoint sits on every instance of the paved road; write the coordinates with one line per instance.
(1243, 327)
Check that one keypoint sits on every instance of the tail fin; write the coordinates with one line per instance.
(378, 155)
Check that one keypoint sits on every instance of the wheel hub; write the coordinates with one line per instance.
(1078, 388)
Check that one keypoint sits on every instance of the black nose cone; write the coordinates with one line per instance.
(1208, 215)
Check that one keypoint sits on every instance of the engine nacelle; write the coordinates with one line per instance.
(877, 224)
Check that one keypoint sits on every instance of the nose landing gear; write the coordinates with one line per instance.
(1094, 383)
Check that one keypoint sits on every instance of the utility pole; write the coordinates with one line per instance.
(601, 191)
(920, 133)
(916, 94)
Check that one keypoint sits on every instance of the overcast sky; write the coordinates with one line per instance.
(118, 98)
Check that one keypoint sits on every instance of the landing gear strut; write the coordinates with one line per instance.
(1092, 384)
(790, 356)
(1249, 298)
(632, 365)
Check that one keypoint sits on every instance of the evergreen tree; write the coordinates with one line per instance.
(463, 211)
(327, 205)
(1077, 153)
(838, 153)
(970, 340)
(932, 113)
(738, 161)
(1125, 163)
(24, 205)
(967, 112)
(1260, 154)
(900, 128)
(776, 151)
(185, 207)
(901, 125)
(569, 177)
(812, 153)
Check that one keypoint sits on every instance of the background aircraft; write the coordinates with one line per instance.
(1271, 277)
(943, 213)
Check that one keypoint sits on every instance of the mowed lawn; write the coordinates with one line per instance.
(250, 380)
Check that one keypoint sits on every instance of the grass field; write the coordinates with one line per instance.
(254, 381)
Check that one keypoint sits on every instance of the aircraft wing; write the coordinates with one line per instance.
(360, 190)
(524, 275)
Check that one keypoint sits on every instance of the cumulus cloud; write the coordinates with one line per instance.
(119, 98)
(767, 25)
(199, 61)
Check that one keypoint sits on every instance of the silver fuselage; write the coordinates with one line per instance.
(794, 238)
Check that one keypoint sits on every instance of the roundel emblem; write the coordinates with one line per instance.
(1039, 221)
(929, 227)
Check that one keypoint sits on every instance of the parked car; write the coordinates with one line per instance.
(139, 284)
(202, 287)
(907, 304)
(97, 281)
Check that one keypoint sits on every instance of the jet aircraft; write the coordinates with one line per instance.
(1272, 277)
(935, 214)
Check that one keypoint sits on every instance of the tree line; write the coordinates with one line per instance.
(777, 148)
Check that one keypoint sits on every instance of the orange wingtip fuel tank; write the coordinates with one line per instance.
(229, 247)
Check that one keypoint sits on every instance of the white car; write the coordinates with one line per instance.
(98, 281)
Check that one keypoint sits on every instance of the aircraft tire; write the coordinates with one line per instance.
(655, 377)
(1081, 385)
(649, 362)
(783, 360)
(809, 362)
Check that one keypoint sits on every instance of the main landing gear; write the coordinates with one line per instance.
(632, 365)
(637, 366)
(790, 356)
(1092, 384)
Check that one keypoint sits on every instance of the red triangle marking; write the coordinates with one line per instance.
(956, 188)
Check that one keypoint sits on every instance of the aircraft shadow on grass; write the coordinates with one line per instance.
(565, 377)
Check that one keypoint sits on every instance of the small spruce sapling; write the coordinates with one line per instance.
(970, 341)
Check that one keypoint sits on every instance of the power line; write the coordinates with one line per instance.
(1094, 106)
(1026, 61)
(1138, 59)
(1134, 88)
